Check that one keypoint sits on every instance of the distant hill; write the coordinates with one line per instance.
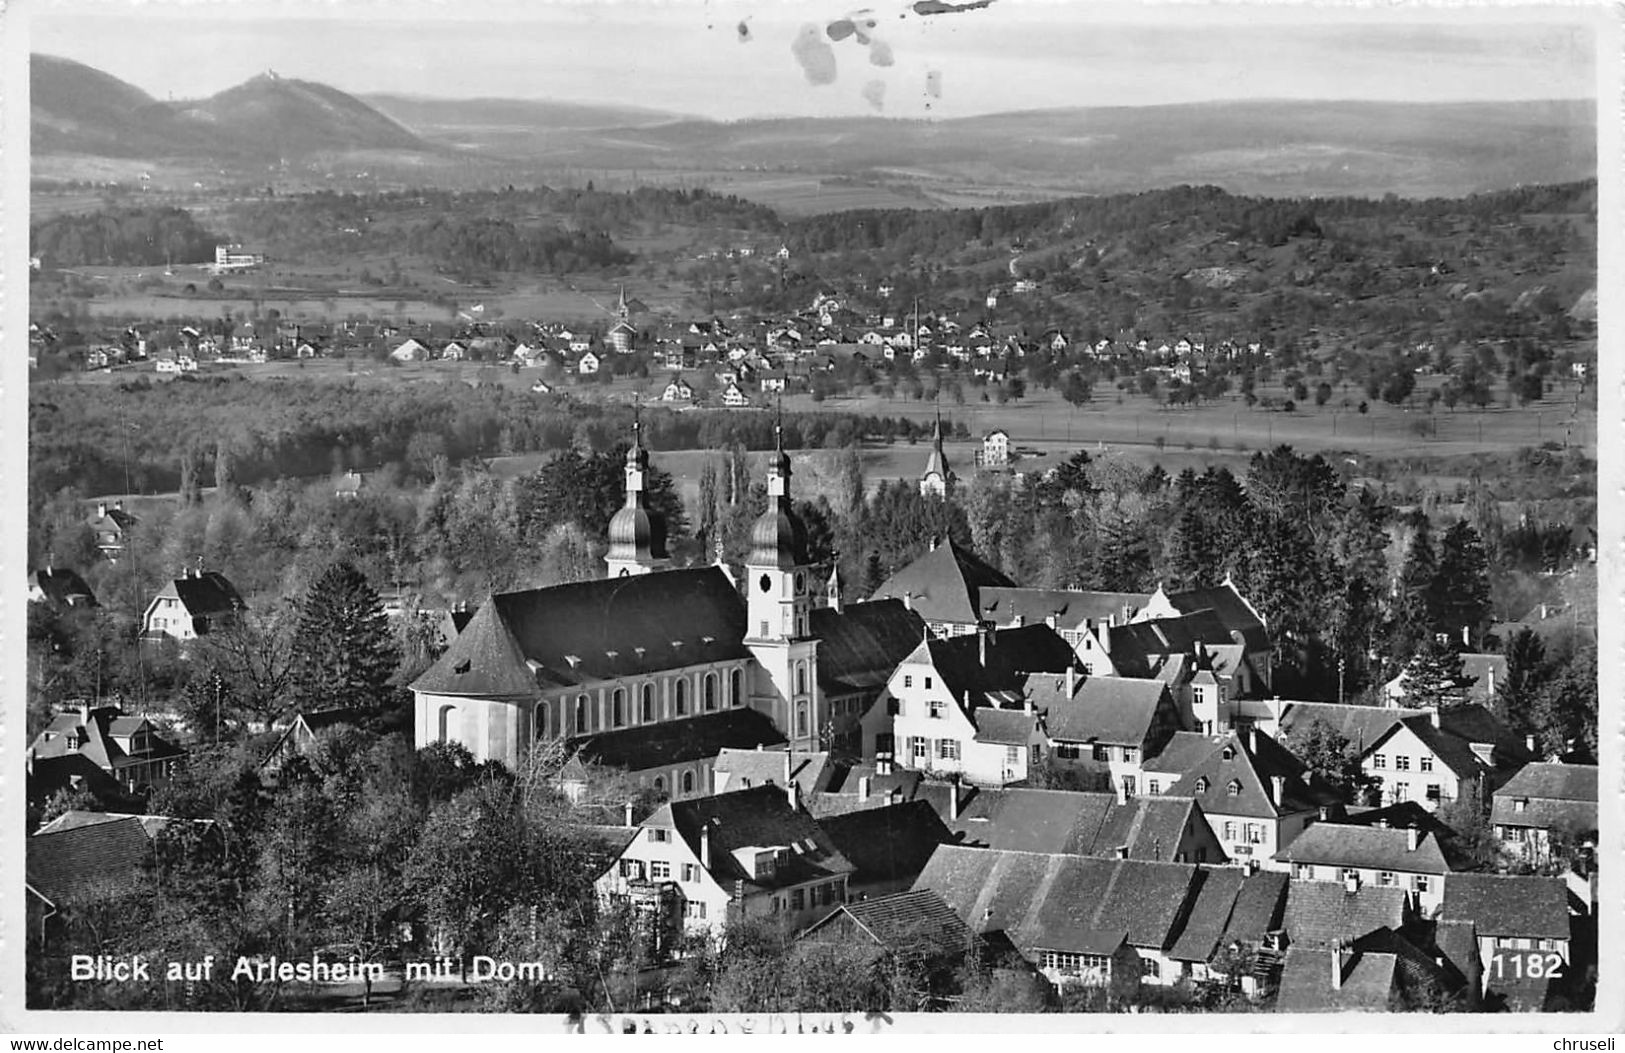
(1252, 147)
(428, 116)
(78, 109)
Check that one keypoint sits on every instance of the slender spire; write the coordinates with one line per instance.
(778, 471)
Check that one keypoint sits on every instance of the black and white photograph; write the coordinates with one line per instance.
(951, 515)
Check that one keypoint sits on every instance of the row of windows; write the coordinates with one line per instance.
(921, 748)
(1385, 878)
(582, 711)
(1076, 964)
(1099, 752)
(1402, 762)
(825, 895)
(1255, 833)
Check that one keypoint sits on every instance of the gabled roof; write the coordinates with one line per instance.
(1011, 656)
(520, 643)
(679, 741)
(1318, 912)
(1109, 709)
(765, 767)
(1224, 601)
(842, 794)
(758, 817)
(1004, 727)
(1361, 725)
(890, 843)
(1453, 751)
(1554, 796)
(1066, 822)
(860, 645)
(1369, 982)
(204, 593)
(1251, 762)
(916, 922)
(1063, 902)
(62, 587)
(1509, 905)
(48, 776)
(74, 859)
(944, 585)
(1209, 915)
(1069, 607)
(1366, 847)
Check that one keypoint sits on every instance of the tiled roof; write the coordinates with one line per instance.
(1209, 915)
(1369, 982)
(1134, 645)
(1556, 797)
(1062, 902)
(1553, 782)
(48, 776)
(758, 817)
(859, 646)
(1366, 847)
(1318, 912)
(1224, 601)
(1457, 941)
(1252, 763)
(1063, 821)
(890, 843)
(915, 922)
(1011, 657)
(1070, 608)
(78, 861)
(1509, 905)
(63, 587)
(1003, 727)
(1260, 907)
(765, 767)
(605, 629)
(205, 594)
(1361, 725)
(680, 741)
(944, 585)
(1109, 709)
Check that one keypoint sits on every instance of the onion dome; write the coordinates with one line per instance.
(635, 533)
(778, 538)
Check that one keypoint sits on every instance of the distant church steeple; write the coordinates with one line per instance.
(637, 535)
(938, 478)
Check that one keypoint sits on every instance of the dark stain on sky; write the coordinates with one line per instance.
(880, 53)
(814, 55)
(941, 7)
(874, 93)
(744, 31)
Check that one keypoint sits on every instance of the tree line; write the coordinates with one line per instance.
(122, 237)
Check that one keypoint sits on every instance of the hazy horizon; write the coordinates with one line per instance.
(731, 61)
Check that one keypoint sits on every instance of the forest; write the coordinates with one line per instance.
(122, 237)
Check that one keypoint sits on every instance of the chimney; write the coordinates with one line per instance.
(1382, 824)
(705, 845)
(864, 784)
(953, 800)
(982, 634)
(101, 510)
(1466, 640)
(1337, 965)
(1277, 789)
(1413, 837)
(1122, 792)
(1433, 715)
(1325, 813)
(1351, 882)
(628, 813)
(1250, 867)
(1071, 679)
(789, 766)
(1529, 743)
(118, 506)
(1122, 851)
(1106, 640)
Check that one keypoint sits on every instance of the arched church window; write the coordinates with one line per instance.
(688, 782)
(680, 698)
(736, 688)
(617, 707)
(801, 678)
(445, 722)
(710, 692)
(539, 723)
(647, 714)
(581, 714)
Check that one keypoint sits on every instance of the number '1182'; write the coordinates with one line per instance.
(1533, 965)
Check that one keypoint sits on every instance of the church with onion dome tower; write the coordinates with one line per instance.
(656, 669)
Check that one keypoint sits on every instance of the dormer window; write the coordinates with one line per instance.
(1201, 784)
(1229, 753)
(1233, 788)
(1520, 804)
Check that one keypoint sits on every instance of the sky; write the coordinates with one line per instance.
(730, 59)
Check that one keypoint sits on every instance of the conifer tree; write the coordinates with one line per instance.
(344, 653)
(1462, 584)
(1433, 678)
